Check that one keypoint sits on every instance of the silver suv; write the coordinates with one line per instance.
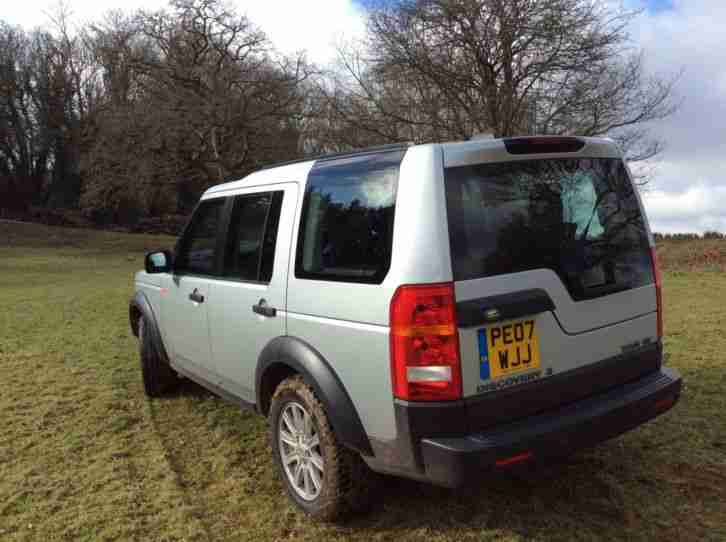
(430, 311)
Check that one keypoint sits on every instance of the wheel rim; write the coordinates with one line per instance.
(299, 444)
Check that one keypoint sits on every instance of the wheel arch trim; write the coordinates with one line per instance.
(299, 356)
(140, 304)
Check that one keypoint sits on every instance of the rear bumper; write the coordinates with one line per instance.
(451, 461)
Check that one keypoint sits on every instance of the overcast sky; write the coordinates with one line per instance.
(688, 192)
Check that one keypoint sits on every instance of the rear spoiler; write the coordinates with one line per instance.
(480, 151)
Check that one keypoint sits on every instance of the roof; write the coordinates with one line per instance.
(295, 170)
(455, 153)
(344, 154)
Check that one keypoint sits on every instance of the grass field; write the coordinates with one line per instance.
(85, 456)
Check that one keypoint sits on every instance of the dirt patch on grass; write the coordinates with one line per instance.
(694, 255)
(701, 497)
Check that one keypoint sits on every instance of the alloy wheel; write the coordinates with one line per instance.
(299, 444)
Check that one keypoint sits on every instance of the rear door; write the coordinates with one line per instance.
(250, 294)
(553, 273)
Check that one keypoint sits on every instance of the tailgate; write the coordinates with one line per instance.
(553, 275)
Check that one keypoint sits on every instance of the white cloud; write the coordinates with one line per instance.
(314, 26)
(688, 192)
(697, 209)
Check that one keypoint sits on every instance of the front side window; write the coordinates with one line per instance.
(346, 227)
(250, 248)
(577, 217)
(197, 252)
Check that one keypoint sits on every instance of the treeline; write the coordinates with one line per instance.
(129, 119)
(688, 236)
(136, 115)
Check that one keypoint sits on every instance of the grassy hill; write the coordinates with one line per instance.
(692, 255)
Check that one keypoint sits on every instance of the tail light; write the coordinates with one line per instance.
(658, 290)
(425, 363)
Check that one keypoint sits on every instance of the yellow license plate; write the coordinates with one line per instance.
(508, 348)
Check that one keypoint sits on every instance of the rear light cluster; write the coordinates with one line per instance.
(425, 363)
(658, 290)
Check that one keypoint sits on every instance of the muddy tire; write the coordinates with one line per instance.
(325, 479)
(158, 377)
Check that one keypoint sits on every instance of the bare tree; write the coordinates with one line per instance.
(49, 90)
(447, 69)
(194, 96)
(25, 142)
(138, 113)
(74, 90)
(231, 100)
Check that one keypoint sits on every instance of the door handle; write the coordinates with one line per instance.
(196, 296)
(495, 308)
(264, 309)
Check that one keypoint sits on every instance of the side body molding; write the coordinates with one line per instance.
(139, 304)
(299, 356)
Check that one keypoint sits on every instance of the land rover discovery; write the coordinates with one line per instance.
(427, 311)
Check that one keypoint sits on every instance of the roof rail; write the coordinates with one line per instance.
(343, 154)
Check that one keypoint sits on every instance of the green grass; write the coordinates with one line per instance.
(85, 456)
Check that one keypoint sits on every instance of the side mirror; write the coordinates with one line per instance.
(158, 262)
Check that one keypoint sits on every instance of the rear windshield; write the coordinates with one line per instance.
(578, 217)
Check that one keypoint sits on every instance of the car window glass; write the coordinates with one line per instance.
(252, 233)
(270, 239)
(577, 217)
(347, 221)
(197, 249)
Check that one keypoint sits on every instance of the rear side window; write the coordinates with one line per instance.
(577, 217)
(250, 248)
(197, 252)
(346, 227)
